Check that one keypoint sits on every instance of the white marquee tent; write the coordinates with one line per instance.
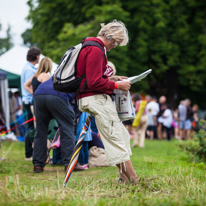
(14, 60)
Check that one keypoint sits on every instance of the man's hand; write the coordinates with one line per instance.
(117, 78)
(125, 86)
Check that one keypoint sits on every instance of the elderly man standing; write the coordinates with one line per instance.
(96, 100)
(29, 70)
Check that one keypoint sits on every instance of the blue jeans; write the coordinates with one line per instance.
(84, 154)
(185, 124)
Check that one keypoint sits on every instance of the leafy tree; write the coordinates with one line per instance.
(27, 38)
(6, 43)
(168, 36)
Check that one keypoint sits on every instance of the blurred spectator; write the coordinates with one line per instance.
(154, 106)
(28, 71)
(189, 117)
(195, 119)
(12, 109)
(96, 141)
(185, 114)
(175, 124)
(195, 108)
(195, 123)
(148, 98)
(162, 101)
(128, 125)
(41, 75)
(151, 123)
(140, 122)
(182, 114)
(50, 104)
(84, 152)
(93, 125)
(167, 120)
(19, 113)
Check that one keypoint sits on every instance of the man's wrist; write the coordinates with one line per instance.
(115, 85)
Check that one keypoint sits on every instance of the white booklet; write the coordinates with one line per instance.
(123, 100)
(138, 77)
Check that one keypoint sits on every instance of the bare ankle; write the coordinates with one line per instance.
(135, 180)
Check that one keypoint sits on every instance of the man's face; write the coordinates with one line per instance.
(111, 44)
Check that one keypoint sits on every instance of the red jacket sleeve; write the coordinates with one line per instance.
(94, 71)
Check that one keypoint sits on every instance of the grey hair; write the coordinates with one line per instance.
(187, 100)
(115, 30)
(148, 98)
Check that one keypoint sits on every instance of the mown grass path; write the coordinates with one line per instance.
(168, 178)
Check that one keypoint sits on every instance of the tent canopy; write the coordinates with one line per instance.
(13, 61)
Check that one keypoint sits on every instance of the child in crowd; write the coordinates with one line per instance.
(151, 124)
(84, 152)
(175, 124)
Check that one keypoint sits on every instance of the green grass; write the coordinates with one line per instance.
(168, 178)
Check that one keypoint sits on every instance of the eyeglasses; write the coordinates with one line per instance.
(115, 43)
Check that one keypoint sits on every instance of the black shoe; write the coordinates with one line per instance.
(121, 181)
(38, 169)
(77, 168)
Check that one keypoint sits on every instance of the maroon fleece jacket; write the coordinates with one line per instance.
(91, 61)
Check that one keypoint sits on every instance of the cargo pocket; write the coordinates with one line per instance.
(115, 131)
(111, 127)
(83, 106)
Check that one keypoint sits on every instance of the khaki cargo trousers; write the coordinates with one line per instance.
(113, 133)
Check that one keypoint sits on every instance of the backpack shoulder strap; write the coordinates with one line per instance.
(93, 43)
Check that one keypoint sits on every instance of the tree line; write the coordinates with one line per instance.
(168, 36)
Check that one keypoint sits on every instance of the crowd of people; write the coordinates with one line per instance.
(157, 120)
(107, 141)
(16, 114)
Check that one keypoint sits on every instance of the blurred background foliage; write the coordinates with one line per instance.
(168, 36)
(5, 42)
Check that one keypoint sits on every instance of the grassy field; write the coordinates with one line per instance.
(168, 178)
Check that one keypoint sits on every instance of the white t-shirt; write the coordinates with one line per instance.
(167, 121)
(19, 103)
(154, 106)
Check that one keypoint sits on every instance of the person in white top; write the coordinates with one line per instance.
(167, 120)
(153, 105)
